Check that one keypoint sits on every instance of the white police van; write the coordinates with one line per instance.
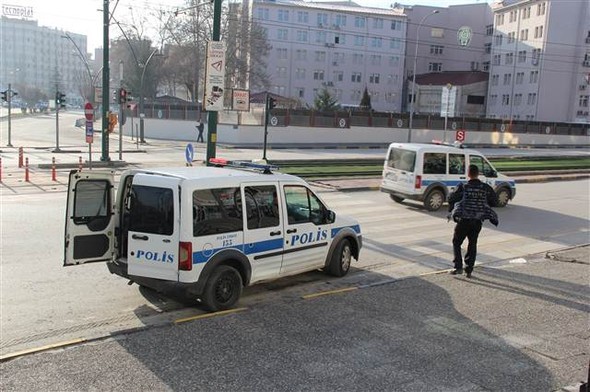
(430, 172)
(208, 231)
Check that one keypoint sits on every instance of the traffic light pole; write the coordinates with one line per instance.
(9, 99)
(105, 82)
(121, 106)
(265, 125)
(57, 106)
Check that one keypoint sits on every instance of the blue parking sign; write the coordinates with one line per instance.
(189, 153)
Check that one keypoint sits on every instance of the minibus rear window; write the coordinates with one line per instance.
(152, 210)
(402, 159)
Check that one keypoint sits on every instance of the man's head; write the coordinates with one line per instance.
(473, 172)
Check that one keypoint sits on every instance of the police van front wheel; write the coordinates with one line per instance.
(395, 198)
(503, 197)
(341, 259)
(223, 288)
(434, 200)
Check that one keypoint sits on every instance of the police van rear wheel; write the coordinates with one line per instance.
(503, 197)
(341, 259)
(434, 200)
(397, 199)
(223, 288)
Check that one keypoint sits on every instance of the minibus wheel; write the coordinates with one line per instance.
(503, 197)
(434, 200)
(341, 259)
(395, 198)
(223, 288)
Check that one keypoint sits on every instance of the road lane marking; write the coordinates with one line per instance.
(208, 315)
(40, 349)
(337, 291)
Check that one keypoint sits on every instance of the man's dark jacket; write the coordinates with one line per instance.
(473, 200)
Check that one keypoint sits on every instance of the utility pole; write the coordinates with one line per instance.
(9, 99)
(105, 82)
(212, 133)
(57, 106)
(121, 108)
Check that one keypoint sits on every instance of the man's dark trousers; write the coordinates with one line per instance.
(469, 228)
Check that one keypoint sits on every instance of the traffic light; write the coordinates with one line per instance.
(5, 96)
(122, 96)
(272, 103)
(60, 99)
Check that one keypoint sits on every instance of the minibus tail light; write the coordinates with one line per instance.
(185, 260)
(418, 182)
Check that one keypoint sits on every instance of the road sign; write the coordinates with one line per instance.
(400, 123)
(89, 111)
(460, 135)
(454, 125)
(342, 123)
(274, 121)
(189, 153)
(89, 132)
(502, 128)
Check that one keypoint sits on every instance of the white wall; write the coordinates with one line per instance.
(244, 135)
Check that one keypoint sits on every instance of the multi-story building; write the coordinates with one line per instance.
(453, 49)
(33, 56)
(540, 61)
(340, 46)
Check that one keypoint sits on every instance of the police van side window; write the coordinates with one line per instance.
(435, 163)
(152, 210)
(303, 206)
(217, 211)
(92, 201)
(402, 159)
(484, 167)
(262, 206)
(456, 164)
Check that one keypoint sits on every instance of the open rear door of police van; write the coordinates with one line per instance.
(89, 233)
(154, 228)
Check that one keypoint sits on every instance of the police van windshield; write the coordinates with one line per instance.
(401, 159)
(152, 210)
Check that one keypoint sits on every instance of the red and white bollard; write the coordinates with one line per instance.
(20, 157)
(79, 163)
(53, 173)
(27, 169)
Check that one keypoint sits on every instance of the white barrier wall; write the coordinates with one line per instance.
(247, 135)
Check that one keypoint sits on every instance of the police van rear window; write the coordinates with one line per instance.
(217, 211)
(401, 159)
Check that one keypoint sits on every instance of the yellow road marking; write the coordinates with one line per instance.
(208, 315)
(39, 349)
(308, 296)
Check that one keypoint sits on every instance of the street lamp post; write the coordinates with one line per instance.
(141, 113)
(412, 97)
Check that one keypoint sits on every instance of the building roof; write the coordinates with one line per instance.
(339, 6)
(456, 78)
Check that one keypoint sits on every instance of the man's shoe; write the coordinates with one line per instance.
(456, 272)
(468, 274)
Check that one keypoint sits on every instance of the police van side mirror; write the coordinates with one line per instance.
(330, 216)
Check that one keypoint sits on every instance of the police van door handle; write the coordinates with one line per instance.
(273, 233)
(139, 237)
(461, 178)
(291, 231)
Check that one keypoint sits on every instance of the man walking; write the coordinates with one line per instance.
(469, 206)
(200, 127)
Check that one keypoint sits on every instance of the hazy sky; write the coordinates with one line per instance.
(81, 16)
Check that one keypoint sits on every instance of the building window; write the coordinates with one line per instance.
(486, 66)
(283, 34)
(526, 13)
(320, 56)
(300, 92)
(541, 9)
(539, 32)
(497, 58)
(583, 102)
(283, 15)
(301, 54)
(521, 56)
(505, 99)
(519, 77)
(436, 49)
(263, 13)
(356, 77)
(340, 39)
(377, 23)
(434, 67)
(512, 16)
(536, 55)
(394, 61)
(355, 95)
(509, 58)
(360, 22)
(359, 40)
(322, 19)
(395, 43)
(396, 25)
(493, 99)
(300, 73)
(340, 20)
(534, 77)
(532, 98)
(318, 74)
(507, 79)
(376, 42)
(302, 17)
(375, 59)
(338, 76)
(517, 99)
(374, 78)
(524, 34)
(320, 37)
(511, 37)
(301, 36)
(282, 53)
(499, 19)
(489, 29)
(488, 48)
(357, 58)
(498, 40)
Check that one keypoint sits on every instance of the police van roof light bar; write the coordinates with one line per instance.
(266, 169)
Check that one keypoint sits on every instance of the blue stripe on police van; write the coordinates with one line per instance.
(336, 230)
(426, 183)
(248, 249)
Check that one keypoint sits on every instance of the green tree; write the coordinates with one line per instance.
(365, 101)
(325, 101)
